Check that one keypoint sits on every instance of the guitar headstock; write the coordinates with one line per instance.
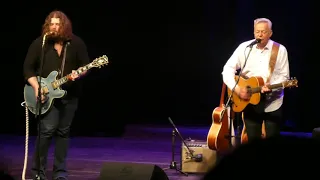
(293, 82)
(100, 61)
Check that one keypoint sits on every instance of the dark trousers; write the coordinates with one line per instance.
(56, 123)
(254, 117)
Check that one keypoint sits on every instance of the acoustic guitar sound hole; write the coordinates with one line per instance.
(249, 90)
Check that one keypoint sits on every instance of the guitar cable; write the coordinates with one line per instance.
(23, 104)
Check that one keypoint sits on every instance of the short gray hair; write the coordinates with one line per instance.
(256, 21)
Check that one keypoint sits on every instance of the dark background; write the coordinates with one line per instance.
(166, 59)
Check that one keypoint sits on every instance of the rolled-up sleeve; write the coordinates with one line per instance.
(230, 68)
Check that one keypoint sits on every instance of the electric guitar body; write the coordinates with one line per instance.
(31, 100)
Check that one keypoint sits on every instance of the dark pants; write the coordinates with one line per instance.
(254, 117)
(56, 123)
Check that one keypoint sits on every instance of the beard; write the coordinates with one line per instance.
(56, 36)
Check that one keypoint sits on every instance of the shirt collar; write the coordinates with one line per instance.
(268, 46)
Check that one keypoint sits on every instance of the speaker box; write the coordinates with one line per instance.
(131, 171)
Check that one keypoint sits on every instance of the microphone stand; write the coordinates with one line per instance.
(39, 103)
(228, 103)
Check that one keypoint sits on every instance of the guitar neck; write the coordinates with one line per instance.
(67, 78)
(273, 86)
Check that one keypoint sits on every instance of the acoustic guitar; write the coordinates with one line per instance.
(218, 137)
(254, 85)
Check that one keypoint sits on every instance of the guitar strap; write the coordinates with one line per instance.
(272, 63)
(273, 59)
(63, 60)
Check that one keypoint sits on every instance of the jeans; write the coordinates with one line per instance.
(56, 123)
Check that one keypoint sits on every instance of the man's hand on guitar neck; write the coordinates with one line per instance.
(265, 89)
(75, 75)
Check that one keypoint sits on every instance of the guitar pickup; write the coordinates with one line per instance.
(54, 85)
(45, 90)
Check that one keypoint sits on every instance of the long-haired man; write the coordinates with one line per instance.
(64, 52)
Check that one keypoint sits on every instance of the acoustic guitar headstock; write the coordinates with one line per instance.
(292, 82)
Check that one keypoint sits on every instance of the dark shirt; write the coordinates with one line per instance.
(76, 56)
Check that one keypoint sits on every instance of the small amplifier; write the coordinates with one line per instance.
(204, 158)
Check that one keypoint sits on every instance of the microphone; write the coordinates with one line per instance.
(256, 41)
(45, 36)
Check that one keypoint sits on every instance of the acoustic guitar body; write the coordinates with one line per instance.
(217, 138)
(240, 104)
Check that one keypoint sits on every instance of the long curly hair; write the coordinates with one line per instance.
(65, 29)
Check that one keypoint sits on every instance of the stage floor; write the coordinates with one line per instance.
(150, 144)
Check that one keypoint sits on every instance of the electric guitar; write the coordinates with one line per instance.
(254, 85)
(51, 86)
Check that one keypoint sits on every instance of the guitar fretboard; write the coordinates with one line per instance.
(273, 86)
(67, 78)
